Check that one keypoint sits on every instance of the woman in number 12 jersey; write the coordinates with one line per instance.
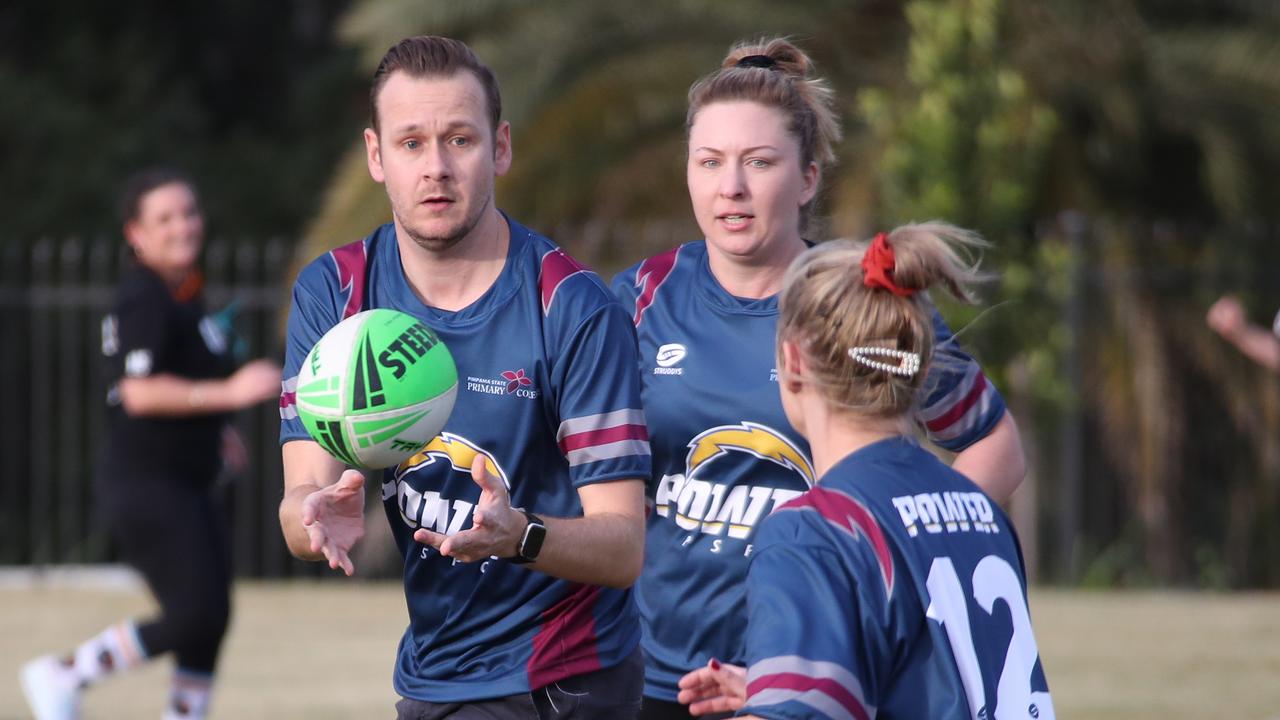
(724, 457)
(895, 588)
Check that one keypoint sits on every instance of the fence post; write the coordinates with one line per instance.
(72, 456)
(42, 520)
(276, 560)
(15, 448)
(249, 549)
(104, 269)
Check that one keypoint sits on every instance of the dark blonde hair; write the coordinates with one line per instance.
(434, 56)
(827, 309)
(783, 81)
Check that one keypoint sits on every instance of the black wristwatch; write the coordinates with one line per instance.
(531, 544)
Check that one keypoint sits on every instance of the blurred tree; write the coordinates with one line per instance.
(253, 99)
(1167, 135)
(595, 93)
(1168, 142)
(964, 140)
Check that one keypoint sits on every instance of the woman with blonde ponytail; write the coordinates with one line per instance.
(760, 130)
(895, 588)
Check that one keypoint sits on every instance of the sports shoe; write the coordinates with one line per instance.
(52, 689)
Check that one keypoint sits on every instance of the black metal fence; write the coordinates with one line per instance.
(1079, 514)
(53, 295)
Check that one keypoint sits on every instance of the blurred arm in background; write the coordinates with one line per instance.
(1260, 344)
(175, 396)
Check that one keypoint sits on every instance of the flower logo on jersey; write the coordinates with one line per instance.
(429, 509)
(515, 380)
(509, 382)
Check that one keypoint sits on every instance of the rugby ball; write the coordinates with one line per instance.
(376, 388)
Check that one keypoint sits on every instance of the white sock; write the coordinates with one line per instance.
(189, 695)
(113, 650)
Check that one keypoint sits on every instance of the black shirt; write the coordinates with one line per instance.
(153, 331)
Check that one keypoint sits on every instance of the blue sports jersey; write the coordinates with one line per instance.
(894, 589)
(548, 394)
(724, 455)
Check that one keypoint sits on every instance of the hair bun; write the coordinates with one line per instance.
(777, 54)
(757, 61)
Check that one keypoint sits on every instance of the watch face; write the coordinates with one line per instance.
(533, 537)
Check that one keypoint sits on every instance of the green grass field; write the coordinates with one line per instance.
(324, 650)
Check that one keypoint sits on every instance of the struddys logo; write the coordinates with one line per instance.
(512, 382)
(668, 359)
(430, 509)
(732, 509)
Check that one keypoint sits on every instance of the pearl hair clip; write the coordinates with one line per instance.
(908, 362)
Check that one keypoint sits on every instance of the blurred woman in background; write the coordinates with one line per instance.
(171, 384)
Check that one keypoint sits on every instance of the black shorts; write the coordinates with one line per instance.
(613, 692)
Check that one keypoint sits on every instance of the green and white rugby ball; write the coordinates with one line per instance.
(376, 388)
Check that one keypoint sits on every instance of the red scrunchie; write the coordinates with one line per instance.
(877, 266)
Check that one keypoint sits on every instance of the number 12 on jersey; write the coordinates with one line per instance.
(993, 579)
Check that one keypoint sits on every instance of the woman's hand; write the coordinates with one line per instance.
(256, 381)
(714, 688)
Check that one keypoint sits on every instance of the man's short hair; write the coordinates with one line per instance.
(434, 56)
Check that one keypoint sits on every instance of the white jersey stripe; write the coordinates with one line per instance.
(588, 423)
(288, 399)
(943, 405)
(608, 451)
(817, 669)
(964, 424)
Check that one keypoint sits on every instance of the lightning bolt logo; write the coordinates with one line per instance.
(458, 451)
(758, 440)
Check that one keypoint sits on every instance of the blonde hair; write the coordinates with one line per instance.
(827, 309)
(788, 85)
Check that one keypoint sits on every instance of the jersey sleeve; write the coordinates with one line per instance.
(602, 430)
(309, 319)
(961, 406)
(135, 338)
(812, 642)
